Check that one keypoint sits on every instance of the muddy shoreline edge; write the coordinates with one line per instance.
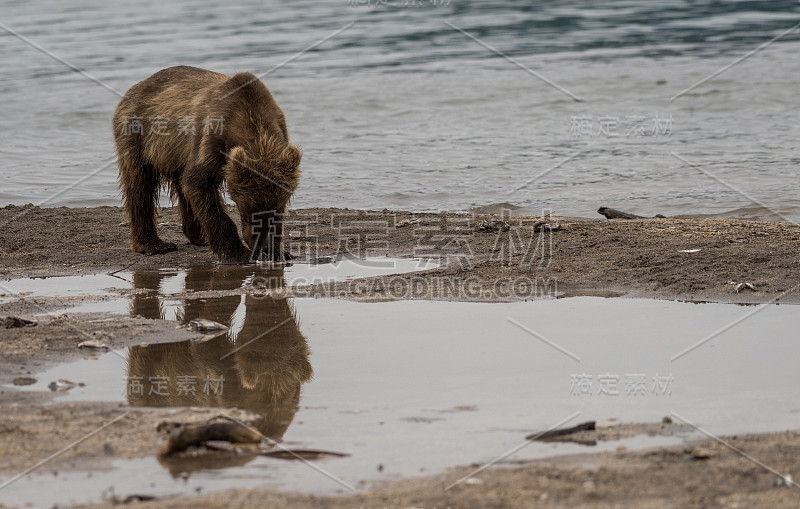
(679, 259)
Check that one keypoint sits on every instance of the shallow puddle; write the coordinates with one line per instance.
(210, 277)
(413, 387)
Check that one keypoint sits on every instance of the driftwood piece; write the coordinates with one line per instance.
(618, 214)
(562, 432)
(183, 436)
(281, 454)
(303, 454)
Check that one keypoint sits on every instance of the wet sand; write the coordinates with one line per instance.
(687, 259)
(637, 258)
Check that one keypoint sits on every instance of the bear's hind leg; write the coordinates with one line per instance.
(139, 193)
(191, 225)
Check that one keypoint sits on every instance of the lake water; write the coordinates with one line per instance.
(399, 109)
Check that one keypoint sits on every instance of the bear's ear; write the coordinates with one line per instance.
(291, 156)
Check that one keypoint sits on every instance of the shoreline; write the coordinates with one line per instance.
(701, 260)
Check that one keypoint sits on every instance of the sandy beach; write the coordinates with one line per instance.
(501, 258)
(685, 259)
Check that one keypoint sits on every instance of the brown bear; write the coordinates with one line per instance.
(194, 130)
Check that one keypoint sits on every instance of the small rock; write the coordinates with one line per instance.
(24, 380)
(666, 420)
(701, 453)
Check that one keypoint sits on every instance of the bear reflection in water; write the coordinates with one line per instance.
(258, 365)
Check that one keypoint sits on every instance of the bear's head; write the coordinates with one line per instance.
(261, 183)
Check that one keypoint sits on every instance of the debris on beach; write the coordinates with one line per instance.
(131, 499)
(182, 436)
(562, 432)
(302, 454)
(406, 222)
(63, 385)
(173, 226)
(618, 214)
(12, 322)
(493, 225)
(499, 225)
(701, 453)
(546, 225)
(739, 287)
(689, 251)
(24, 380)
(222, 432)
(110, 496)
(204, 325)
(93, 343)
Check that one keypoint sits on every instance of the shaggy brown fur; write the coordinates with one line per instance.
(168, 132)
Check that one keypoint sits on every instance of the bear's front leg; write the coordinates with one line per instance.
(191, 226)
(218, 228)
